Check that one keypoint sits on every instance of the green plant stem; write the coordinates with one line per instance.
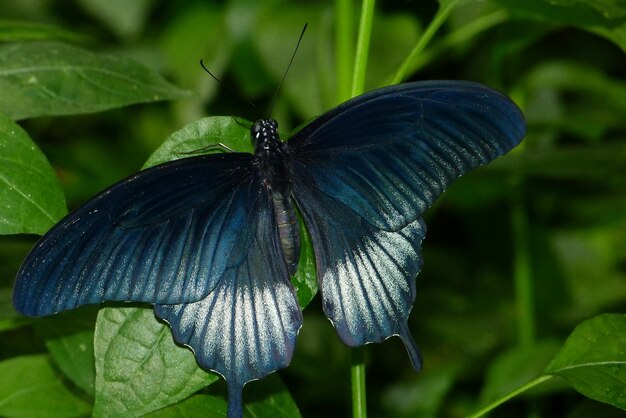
(522, 272)
(343, 48)
(357, 366)
(510, 395)
(357, 374)
(362, 47)
(459, 36)
(435, 24)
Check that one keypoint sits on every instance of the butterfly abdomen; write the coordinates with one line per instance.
(270, 161)
(288, 230)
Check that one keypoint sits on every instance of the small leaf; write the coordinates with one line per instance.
(51, 78)
(139, 369)
(69, 339)
(230, 131)
(31, 195)
(305, 279)
(31, 388)
(593, 359)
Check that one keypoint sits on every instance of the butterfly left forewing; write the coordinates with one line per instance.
(157, 236)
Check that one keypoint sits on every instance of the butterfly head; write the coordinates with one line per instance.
(264, 134)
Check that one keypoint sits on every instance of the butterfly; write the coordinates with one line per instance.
(213, 240)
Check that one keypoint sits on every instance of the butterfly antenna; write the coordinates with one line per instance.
(229, 88)
(286, 70)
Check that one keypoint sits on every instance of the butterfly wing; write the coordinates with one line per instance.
(247, 326)
(364, 173)
(159, 236)
(390, 153)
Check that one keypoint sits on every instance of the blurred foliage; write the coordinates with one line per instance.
(518, 253)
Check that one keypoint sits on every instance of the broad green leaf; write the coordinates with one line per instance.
(13, 30)
(269, 398)
(139, 369)
(124, 18)
(604, 17)
(51, 78)
(515, 368)
(206, 406)
(266, 398)
(234, 133)
(32, 388)
(31, 195)
(69, 339)
(593, 359)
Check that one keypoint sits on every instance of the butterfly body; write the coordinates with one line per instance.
(270, 159)
(212, 241)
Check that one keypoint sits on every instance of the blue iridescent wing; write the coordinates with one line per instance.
(364, 173)
(390, 153)
(159, 236)
(246, 327)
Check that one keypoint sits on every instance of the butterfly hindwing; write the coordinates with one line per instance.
(366, 275)
(390, 153)
(246, 327)
(159, 236)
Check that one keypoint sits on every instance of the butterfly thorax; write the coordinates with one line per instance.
(269, 158)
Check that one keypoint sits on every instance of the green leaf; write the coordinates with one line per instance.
(267, 398)
(593, 359)
(604, 17)
(139, 369)
(29, 189)
(12, 30)
(31, 388)
(515, 368)
(51, 78)
(305, 279)
(195, 136)
(124, 18)
(69, 339)
(206, 406)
